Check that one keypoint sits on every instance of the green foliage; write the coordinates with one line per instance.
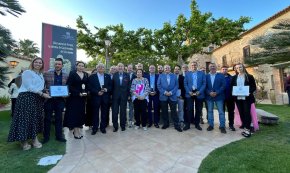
(6, 42)
(12, 7)
(266, 151)
(14, 159)
(27, 48)
(275, 45)
(4, 100)
(175, 41)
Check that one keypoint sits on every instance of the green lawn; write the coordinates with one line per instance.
(13, 159)
(268, 150)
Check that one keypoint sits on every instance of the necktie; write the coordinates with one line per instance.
(168, 79)
(121, 78)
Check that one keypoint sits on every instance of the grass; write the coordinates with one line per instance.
(14, 159)
(267, 151)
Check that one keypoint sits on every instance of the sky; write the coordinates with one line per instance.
(132, 14)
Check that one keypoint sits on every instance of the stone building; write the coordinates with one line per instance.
(15, 64)
(270, 77)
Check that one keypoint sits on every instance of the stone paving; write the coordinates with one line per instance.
(139, 151)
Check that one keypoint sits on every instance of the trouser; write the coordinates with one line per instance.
(140, 112)
(55, 105)
(230, 104)
(165, 116)
(193, 102)
(244, 108)
(119, 104)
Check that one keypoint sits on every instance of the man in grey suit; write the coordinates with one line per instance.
(167, 85)
(121, 90)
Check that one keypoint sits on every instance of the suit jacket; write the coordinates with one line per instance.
(95, 86)
(121, 90)
(181, 85)
(218, 87)
(49, 78)
(201, 84)
(155, 82)
(249, 81)
(163, 86)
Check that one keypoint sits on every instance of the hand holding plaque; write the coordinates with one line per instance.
(84, 93)
(193, 91)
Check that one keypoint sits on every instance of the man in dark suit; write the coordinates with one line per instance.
(194, 84)
(130, 103)
(215, 93)
(180, 94)
(121, 92)
(100, 86)
(167, 85)
(153, 98)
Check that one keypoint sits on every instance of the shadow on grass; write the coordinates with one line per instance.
(268, 150)
(14, 159)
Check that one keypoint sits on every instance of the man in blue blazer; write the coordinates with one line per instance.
(215, 93)
(153, 98)
(100, 86)
(167, 85)
(194, 84)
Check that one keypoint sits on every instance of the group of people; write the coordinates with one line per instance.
(145, 93)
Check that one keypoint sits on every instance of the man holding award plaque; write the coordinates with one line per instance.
(55, 85)
(100, 86)
(194, 84)
(153, 98)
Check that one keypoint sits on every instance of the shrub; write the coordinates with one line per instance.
(4, 100)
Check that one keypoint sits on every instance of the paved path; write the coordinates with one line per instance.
(138, 151)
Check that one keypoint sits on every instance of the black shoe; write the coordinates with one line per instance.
(232, 128)
(115, 130)
(60, 139)
(178, 129)
(123, 128)
(156, 125)
(78, 137)
(103, 131)
(94, 132)
(149, 125)
(186, 128)
(198, 127)
(246, 133)
(201, 121)
(45, 140)
(210, 128)
(223, 130)
(165, 127)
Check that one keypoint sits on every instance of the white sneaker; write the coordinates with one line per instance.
(137, 127)
(145, 128)
(130, 124)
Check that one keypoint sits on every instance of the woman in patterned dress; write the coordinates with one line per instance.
(27, 121)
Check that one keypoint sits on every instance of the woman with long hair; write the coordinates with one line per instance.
(27, 120)
(74, 117)
(243, 78)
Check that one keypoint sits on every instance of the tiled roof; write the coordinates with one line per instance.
(259, 25)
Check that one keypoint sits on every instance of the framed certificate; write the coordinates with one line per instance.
(58, 91)
(241, 91)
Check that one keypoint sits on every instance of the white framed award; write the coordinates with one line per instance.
(59, 91)
(241, 91)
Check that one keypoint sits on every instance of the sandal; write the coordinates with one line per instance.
(36, 143)
(26, 146)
